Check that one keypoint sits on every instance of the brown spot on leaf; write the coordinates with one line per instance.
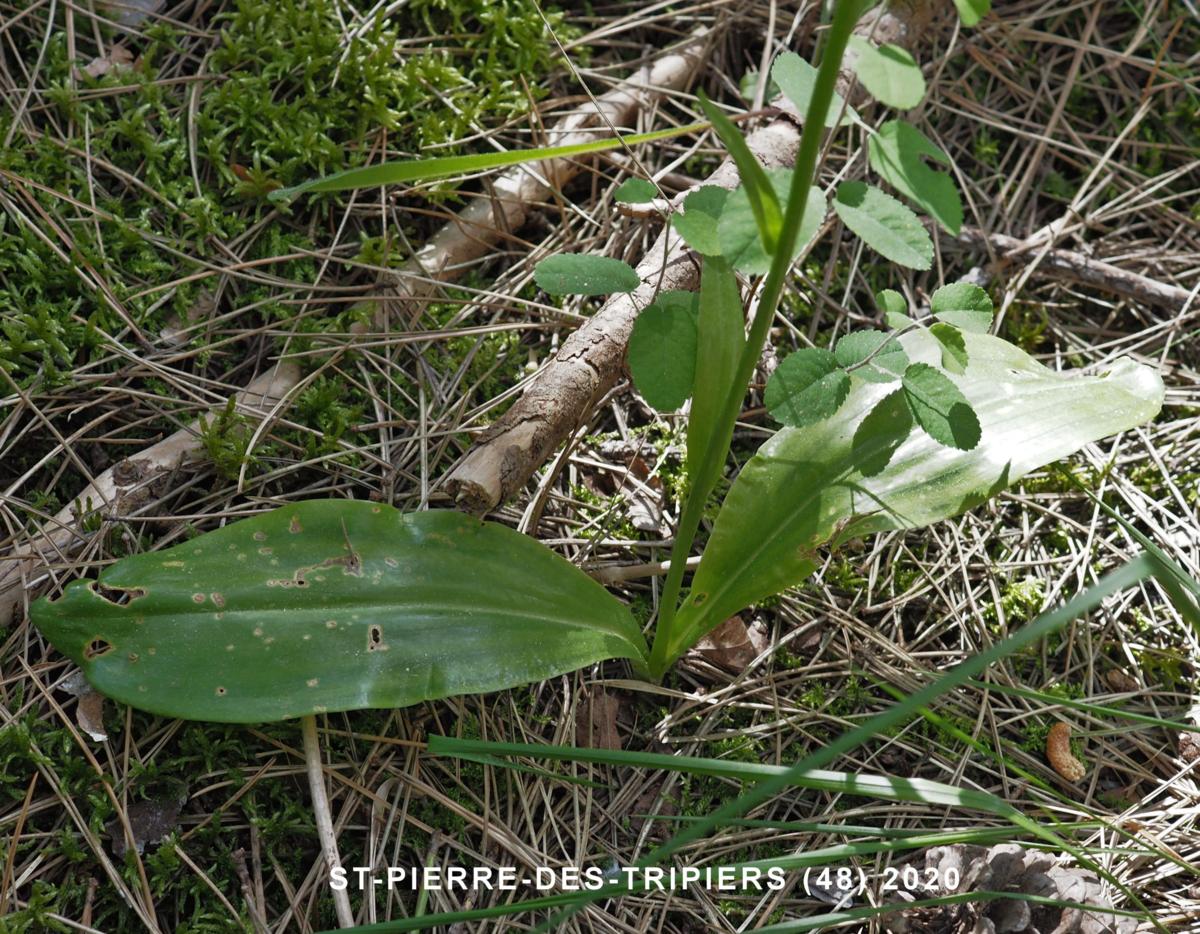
(294, 526)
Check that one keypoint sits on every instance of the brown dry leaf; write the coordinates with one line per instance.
(89, 711)
(1006, 867)
(733, 645)
(643, 498)
(150, 821)
(1120, 682)
(1189, 746)
(596, 720)
(118, 57)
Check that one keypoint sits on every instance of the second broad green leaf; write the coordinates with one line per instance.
(890, 74)
(940, 408)
(584, 274)
(954, 346)
(662, 350)
(635, 191)
(807, 387)
(330, 605)
(886, 225)
(898, 152)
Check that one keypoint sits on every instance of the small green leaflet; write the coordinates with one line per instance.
(894, 307)
(940, 408)
(889, 73)
(748, 87)
(887, 360)
(662, 350)
(891, 420)
(635, 191)
(763, 200)
(806, 388)
(698, 222)
(897, 151)
(972, 11)
(963, 305)
(737, 229)
(584, 274)
(954, 347)
(796, 78)
(887, 226)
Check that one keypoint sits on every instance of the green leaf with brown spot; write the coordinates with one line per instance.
(329, 605)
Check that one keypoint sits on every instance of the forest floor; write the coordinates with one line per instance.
(145, 278)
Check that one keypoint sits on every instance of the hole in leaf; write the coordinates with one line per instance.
(118, 596)
(375, 638)
(96, 648)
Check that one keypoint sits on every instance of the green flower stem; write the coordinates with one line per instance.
(665, 650)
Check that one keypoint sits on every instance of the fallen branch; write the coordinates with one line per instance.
(592, 359)
(133, 482)
(1075, 267)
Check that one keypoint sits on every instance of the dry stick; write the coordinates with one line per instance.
(320, 801)
(134, 481)
(592, 359)
(1075, 267)
(129, 485)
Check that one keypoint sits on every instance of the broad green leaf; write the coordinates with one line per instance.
(420, 170)
(584, 274)
(972, 11)
(698, 222)
(940, 408)
(890, 74)
(954, 348)
(963, 305)
(332, 605)
(635, 190)
(808, 486)
(721, 338)
(807, 387)
(894, 307)
(662, 350)
(886, 359)
(898, 152)
(796, 78)
(763, 201)
(887, 226)
(738, 230)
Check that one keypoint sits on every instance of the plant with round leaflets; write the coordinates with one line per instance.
(335, 605)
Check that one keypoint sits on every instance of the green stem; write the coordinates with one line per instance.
(665, 651)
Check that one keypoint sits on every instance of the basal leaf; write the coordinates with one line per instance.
(940, 408)
(332, 605)
(738, 231)
(890, 74)
(796, 78)
(897, 151)
(698, 222)
(954, 348)
(963, 305)
(886, 225)
(972, 11)
(885, 358)
(808, 486)
(662, 350)
(584, 274)
(763, 201)
(635, 191)
(807, 387)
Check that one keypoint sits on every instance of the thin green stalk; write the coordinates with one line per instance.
(664, 652)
